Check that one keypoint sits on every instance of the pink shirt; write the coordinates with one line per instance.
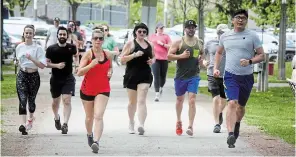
(160, 51)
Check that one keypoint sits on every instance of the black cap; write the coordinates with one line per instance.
(56, 19)
(190, 23)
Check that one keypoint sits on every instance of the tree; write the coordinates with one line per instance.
(199, 5)
(23, 4)
(268, 12)
(11, 5)
(228, 7)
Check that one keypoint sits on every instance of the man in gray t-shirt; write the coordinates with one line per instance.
(239, 45)
(52, 33)
(215, 85)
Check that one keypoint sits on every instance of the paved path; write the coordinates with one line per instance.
(159, 139)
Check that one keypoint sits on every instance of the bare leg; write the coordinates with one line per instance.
(99, 110)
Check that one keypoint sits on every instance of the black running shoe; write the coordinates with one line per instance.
(23, 130)
(95, 147)
(236, 130)
(217, 128)
(58, 124)
(90, 139)
(64, 128)
(231, 141)
(220, 118)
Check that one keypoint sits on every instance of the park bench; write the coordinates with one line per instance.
(292, 85)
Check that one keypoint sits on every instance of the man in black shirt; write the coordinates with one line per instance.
(62, 82)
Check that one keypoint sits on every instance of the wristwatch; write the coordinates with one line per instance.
(250, 61)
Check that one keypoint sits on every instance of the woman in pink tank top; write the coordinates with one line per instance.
(161, 44)
(95, 88)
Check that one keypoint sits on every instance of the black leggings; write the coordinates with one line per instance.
(159, 68)
(27, 86)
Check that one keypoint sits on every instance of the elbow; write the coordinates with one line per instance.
(170, 58)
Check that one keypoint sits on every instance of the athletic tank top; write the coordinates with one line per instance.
(138, 65)
(189, 67)
(96, 80)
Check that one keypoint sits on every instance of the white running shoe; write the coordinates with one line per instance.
(30, 123)
(131, 128)
(157, 97)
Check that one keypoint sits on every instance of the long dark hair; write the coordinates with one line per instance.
(27, 26)
(109, 35)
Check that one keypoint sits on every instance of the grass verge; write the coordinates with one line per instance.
(271, 78)
(272, 111)
(8, 88)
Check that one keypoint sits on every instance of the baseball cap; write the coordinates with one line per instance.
(222, 27)
(56, 19)
(190, 23)
(159, 25)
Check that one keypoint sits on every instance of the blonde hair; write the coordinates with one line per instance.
(97, 31)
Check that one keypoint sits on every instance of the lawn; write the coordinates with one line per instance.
(271, 78)
(8, 67)
(272, 111)
(8, 88)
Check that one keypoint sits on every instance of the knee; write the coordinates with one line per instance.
(32, 107)
(232, 104)
(240, 108)
(192, 101)
(98, 117)
(180, 101)
(131, 105)
(89, 119)
(67, 101)
(55, 103)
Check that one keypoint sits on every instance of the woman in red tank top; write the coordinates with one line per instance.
(95, 88)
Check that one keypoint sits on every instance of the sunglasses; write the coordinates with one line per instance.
(243, 18)
(144, 32)
(100, 38)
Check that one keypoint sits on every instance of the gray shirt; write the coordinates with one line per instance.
(210, 52)
(52, 34)
(239, 45)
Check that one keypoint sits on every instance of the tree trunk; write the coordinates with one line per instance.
(201, 33)
(11, 13)
(74, 11)
(128, 14)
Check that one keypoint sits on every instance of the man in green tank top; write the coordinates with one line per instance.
(188, 52)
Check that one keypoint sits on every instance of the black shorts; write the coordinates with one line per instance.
(60, 86)
(131, 82)
(216, 87)
(90, 97)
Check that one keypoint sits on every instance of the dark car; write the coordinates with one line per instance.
(8, 48)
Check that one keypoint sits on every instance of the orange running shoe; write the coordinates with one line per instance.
(179, 130)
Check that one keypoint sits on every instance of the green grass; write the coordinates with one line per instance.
(8, 67)
(8, 88)
(272, 111)
(271, 78)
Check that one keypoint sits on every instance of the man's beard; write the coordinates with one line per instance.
(62, 40)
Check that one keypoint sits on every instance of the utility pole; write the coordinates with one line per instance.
(165, 13)
(282, 41)
(1, 36)
(35, 10)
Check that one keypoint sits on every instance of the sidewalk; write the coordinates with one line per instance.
(159, 138)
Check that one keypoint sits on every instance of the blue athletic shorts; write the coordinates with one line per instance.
(238, 87)
(187, 85)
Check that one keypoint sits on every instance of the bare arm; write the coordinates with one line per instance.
(83, 66)
(259, 57)
(51, 65)
(218, 57)
(126, 56)
(172, 51)
(38, 63)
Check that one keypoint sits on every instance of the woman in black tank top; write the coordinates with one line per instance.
(138, 56)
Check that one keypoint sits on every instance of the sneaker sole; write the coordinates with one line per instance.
(231, 141)
(217, 130)
(131, 132)
(23, 131)
(95, 148)
(189, 132)
(64, 131)
(141, 130)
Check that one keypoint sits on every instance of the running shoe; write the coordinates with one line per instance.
(58, 123)
(217, 128)
(231, 141)
(131, 128)
(179, 129)
(90, 139)
(141, 130)
(30, 123)
(156, 97)
(189, 131)
(95, 147)
(64, 128)
(22, 129)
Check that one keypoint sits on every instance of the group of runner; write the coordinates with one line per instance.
(228, 58)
